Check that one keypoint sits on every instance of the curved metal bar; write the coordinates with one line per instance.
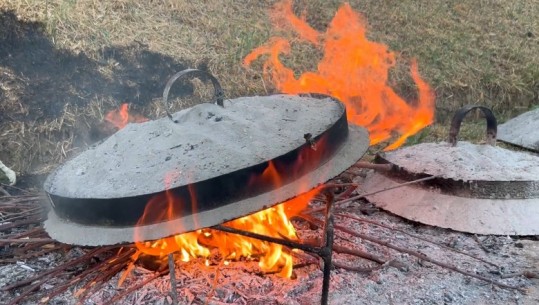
(218, 94)
(492, 124)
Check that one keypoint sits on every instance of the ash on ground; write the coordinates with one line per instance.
(420, 283)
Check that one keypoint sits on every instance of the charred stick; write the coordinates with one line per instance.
(386, 189)
(358, 253)
(213, 283)
(527, 274)
(129, 268)
(58, 269)
(377, 167)
(337, 185)
(8, 226)
(99, 266)
(346, 193)
(26, 240)
(4, 192)
(327, 251)
(23, 214)
(105, 271)
(28, 194)
(425, 258)
(18, 200)
(280, 241)
(415, 236)
(34, 231)
(480, 243)
(134, 288)
(27, 248)
(35, 254)
(392, 262)
(355, 268)
(98, 281)
(25, 294)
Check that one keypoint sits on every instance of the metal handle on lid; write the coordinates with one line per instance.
(492, 124)
(218, 93)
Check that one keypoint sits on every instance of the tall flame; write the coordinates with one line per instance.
(353, 69)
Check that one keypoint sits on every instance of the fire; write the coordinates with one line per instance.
(121, 117)
(272, 222)
(353, 69)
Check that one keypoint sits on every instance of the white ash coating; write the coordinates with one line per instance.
(522, 130)
(467, 162)
(208, 141)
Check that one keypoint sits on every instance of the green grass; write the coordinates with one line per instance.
(481, 52)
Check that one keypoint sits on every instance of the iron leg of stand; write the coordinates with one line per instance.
(327, 250)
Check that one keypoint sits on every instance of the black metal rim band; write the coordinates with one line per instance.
(204, 195)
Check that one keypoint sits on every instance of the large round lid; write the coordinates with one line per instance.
(467, 169)
(475, 188)
(202, 142)
(204, 166)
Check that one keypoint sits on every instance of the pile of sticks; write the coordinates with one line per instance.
(22, 237)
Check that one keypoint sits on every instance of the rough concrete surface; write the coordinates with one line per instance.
(522, 130)
(72, 233)
(467, 162)
(472, 215)
(207, 141)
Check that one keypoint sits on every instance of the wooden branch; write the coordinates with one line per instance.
(26, 240)
(114, 264)
(8, 226)
(392, 262)
(135, 287)
(424, 257)
(32, 254)
(415, 236)
(56, 270)
(377, 167)
(356, 268)
(173, 283)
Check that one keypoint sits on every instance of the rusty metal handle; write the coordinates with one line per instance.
(218, 93)
(492, 124)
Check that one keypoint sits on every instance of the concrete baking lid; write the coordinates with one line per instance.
(480, 189)
(522, 130)
(208, 141)
(68, 232)
(472, 215)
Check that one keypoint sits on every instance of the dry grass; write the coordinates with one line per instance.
(484, 52)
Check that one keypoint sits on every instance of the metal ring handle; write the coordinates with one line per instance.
(218, 93)
(492, 124)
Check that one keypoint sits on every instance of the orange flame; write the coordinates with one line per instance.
(121, 117)
(353, 70)
(272, 222)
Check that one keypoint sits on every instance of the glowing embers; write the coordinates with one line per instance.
(353, 69)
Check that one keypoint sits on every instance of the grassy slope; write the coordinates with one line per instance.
(483, 52)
